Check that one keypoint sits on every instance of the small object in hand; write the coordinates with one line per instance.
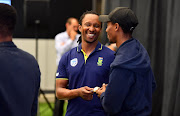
(95, 89)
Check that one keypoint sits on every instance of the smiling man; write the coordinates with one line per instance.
(83, 68)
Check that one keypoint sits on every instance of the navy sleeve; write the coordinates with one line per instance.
(37, 87)
(61, 71)
(117, 90)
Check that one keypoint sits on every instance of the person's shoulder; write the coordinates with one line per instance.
(67, 55)
(109, 51)
(26, 55)
(73, 50)
(78, 35)
(62, 34)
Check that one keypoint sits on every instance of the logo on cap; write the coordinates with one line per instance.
(74, 62)
(100, 60)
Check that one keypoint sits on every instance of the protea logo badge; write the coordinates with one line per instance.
(74, 62)
(100, 61)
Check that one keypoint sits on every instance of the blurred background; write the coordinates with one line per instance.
(158, 30)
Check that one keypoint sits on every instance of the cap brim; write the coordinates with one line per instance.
(104, 18)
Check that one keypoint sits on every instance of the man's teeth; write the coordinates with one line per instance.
(91, 35)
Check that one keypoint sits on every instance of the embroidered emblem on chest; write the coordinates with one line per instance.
(74, 62)
(100, 61)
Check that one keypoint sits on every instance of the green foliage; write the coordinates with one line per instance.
(44, 109)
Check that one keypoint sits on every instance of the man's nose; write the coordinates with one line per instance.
(91, 28)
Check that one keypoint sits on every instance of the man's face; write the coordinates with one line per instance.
(90, 28)
(74, 25)
(111, 32)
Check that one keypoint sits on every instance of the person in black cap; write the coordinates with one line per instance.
(19, 71)
(131, 81)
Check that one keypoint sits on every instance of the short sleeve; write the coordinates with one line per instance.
(62, 68)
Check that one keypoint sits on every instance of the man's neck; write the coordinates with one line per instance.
(88, 48)
(122, 39)
(5, 39)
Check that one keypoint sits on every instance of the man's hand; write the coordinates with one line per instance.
(101, 90)
(86, 93)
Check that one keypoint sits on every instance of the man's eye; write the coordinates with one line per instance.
(87, 24)
(97, 26)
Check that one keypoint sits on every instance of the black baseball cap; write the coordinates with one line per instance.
(124, 16)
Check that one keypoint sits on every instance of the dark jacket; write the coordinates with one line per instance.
(19, 81)
(129, 92)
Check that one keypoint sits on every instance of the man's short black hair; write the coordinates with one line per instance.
(87, 12)
(8, 19)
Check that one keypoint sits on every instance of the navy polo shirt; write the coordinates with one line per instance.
(82, 71)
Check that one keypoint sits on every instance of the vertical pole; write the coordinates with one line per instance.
(94, 5)
(37, 22)
(104, 10)
(36, 37)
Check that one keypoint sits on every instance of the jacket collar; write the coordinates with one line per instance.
(7, 44)
(123, 45)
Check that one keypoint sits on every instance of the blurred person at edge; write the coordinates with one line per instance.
(19, 71)
(65, 41)
(131, 80)
(83, 68)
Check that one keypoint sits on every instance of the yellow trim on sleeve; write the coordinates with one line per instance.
(62, 78)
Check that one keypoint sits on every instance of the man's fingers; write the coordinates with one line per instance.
(88, 88)
(103, 85)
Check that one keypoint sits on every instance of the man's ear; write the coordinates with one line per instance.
(79, 27)
(66, 25)
(116, 26)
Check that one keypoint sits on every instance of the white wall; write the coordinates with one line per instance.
(46, 58)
